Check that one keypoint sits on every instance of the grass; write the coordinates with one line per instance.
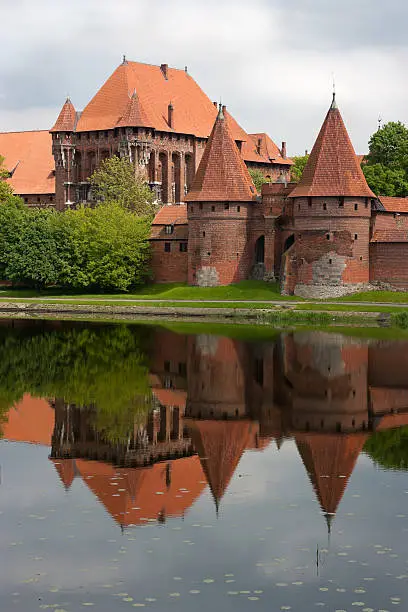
(376, 296)
(245, 290)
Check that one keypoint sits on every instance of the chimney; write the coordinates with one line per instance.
(170, 112)
(306, 152)
(224, 108)
(165, 70)
(258, 146)
(283, 150)
(215, 104)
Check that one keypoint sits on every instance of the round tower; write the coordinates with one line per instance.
(331, 211)
(220, 203)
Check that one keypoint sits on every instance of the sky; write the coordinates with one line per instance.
(271, 62)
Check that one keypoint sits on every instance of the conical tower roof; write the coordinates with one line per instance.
(134, 115)
(332, 168)
(220, 445)
(329, 460)
(66, 471)
(222, 175)
(66, 119)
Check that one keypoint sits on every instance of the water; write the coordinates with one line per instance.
(144, 468)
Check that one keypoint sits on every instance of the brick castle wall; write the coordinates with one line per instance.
(389, 263)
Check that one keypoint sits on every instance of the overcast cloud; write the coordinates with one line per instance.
(271, 62)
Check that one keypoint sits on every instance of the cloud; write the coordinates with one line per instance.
(271, 64)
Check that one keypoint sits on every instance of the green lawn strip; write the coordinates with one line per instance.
(376, 296)
(246, 290)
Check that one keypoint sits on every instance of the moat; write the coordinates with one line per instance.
(157, 468)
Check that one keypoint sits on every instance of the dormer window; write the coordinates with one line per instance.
(169, 229)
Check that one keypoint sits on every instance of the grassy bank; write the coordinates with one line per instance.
(245, 290)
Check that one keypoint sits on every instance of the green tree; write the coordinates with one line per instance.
(389, 448)
(111, 250)
(296, 170)
(116, 180)
(34, 259)
(258, 178)
(386, 165)
(103, 367)
(389, 146)
(12, 219)
(386, 181)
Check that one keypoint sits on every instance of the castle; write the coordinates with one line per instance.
(327, 235)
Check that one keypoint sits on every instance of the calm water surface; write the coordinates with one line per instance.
(144, 468)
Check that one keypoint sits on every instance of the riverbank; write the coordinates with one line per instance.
(199, 311)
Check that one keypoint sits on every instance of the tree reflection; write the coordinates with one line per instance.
(104, 367)
(389, 448)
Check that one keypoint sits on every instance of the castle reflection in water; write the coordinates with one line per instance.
(213, 398)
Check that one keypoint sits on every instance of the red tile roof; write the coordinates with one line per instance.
(144, 494)
(193, 113)
(222, 174)
(269, 149)
(29, 154)
(31, 420)
(66, 471)
(220, 445)
(329, 460)
(394, 204)
(395, 235)
(66, 119)
(332, 168)
(175, 214)
(134, 115)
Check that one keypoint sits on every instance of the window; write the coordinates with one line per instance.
(355, 206)
(203, 234)
(106, 134)
(258, 371)
(182, 368)
(355, 236)
(169, 229)
(330, 261)
(238, 209)
(309, 202)
(212, 208)
(201, 206)
(183, 247)
(208, 253)
(167, 366)
(38, 199)
(167, 247)
(26, 200)
(341, 203)
(328, 236)
(226, 206)
(324, 206)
